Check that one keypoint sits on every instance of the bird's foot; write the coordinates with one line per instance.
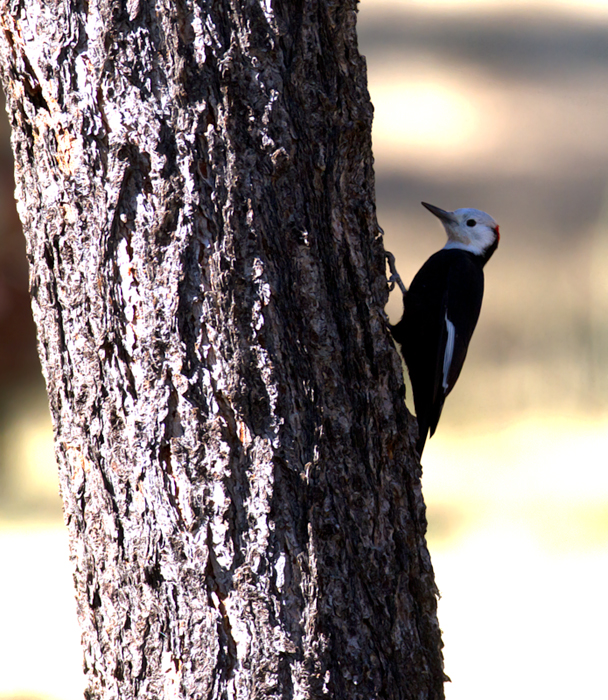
(394, 278)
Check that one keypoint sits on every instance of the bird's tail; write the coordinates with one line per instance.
(423, 430)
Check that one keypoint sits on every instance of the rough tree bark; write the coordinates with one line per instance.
(195, 183)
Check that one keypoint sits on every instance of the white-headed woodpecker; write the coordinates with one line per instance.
(440, 311)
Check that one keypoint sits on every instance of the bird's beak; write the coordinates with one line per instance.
(445, 216)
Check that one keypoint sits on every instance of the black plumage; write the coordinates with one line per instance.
(449, 284)
(440, 312)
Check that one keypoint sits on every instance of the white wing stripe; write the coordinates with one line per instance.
(449, 350)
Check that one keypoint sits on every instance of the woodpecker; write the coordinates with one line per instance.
(440, 311)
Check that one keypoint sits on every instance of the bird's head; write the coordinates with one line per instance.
(468, 229)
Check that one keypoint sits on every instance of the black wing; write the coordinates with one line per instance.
(441, 310)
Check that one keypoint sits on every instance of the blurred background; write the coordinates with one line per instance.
(502, 106)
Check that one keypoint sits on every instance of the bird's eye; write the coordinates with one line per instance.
(471, 222)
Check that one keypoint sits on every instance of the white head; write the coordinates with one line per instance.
(468, 229)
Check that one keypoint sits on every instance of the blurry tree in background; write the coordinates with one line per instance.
(243, 502)
(19, 363)
(18, 358)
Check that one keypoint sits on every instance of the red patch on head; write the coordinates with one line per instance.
(497, 229)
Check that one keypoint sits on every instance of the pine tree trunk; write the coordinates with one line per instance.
(195, 184)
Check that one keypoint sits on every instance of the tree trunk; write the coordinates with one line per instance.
(195, 183)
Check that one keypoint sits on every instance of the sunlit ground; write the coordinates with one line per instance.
(516, 478)
(519, 540)
(40, 642)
